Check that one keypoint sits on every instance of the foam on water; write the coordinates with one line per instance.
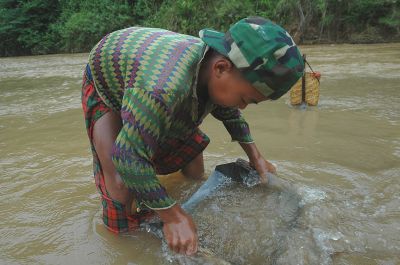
(296, 222)
(309, 195)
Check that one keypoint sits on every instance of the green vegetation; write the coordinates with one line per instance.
(54, 26)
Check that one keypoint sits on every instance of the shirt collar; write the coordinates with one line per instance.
(195, 100)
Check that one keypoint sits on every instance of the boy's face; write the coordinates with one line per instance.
(228, 88)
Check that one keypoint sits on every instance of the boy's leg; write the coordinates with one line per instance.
(195, 168)
(105, 132)
(117, 215)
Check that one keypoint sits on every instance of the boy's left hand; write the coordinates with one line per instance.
(258, 162)
(263, 166)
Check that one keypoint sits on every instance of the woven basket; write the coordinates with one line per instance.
(311, 84)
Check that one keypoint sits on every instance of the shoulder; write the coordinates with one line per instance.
(165, 64)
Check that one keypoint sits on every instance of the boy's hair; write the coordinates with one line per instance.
(211, 54)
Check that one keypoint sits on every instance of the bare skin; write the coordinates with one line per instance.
(105, 132)
(226, 87)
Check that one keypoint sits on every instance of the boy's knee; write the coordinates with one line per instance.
(193, 174)
(195, 169)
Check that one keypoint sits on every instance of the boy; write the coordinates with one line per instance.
(146, 91)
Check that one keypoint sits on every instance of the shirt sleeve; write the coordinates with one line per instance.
(234, 122)
(144, 117)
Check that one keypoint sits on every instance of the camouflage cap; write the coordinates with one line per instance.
(263, 51)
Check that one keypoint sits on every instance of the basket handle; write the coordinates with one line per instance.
(304, 58)
(303, 84)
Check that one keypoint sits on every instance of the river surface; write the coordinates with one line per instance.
(342, 158)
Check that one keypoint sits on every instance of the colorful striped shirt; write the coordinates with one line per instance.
(150, 77)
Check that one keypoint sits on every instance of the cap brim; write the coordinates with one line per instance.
(214, 39)
(277, 94)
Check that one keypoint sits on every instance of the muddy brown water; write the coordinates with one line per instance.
(343, 157)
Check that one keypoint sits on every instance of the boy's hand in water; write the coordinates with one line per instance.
(258, 162)
(179, 230)
(263, 167)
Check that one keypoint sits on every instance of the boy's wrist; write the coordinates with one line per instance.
(251, 150)
(171, 215)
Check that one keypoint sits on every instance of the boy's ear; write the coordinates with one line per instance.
(221, 65)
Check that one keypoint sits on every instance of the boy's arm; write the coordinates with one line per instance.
(143, 121)
(234, 123)
(257, 161)
(145, 117)
(239, 130)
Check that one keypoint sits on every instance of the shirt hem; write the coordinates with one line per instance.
(251, 142)
(159, 208)
(242, 142)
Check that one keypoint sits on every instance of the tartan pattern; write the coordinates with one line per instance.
(167, 162)
(93, 107)
(116, 219)
(148, 75)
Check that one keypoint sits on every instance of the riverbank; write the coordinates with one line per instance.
(306, 43)
(367, 37)
(48, 27)
(5, 70)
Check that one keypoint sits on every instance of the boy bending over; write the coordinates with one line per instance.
(145, 93)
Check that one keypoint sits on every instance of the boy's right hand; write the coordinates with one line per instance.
(179, 230)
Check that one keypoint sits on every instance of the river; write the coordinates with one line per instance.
(343, 157)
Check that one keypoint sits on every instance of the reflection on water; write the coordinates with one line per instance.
(341, 157)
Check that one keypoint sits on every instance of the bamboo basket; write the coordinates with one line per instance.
(306, 89)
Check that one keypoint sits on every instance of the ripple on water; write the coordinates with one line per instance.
(47, 66)
(380, 107)
(46, 205)
(45, 97)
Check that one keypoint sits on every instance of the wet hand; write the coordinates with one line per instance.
(263, 167)
(258, 162)
(179, 230)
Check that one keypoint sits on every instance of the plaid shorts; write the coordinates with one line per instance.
(173, 156)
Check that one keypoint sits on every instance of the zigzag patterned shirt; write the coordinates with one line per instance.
(150, 76)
